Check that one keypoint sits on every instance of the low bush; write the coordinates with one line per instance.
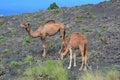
(46, 70)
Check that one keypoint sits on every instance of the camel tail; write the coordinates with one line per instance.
(64, 35)
(85, 48)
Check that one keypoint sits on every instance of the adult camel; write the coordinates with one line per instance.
(49, 28)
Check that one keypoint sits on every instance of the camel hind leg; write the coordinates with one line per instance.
(43, 38)
(83, 56)
(63, 45)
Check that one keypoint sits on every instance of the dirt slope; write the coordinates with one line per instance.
(100, 23)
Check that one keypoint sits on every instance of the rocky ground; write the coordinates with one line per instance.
(99, 23)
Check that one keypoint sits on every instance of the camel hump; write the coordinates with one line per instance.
(50, 21)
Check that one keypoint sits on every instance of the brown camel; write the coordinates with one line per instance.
(49, 28)
(76, 41)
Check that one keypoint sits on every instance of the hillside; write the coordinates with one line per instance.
(100, 23)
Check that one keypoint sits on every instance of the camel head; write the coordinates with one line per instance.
(61, 55)
(26, 26)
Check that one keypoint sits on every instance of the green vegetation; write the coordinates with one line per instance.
(113, 0)
(99, 33)
(78, 18)
(31, 19)
(14, 63)
(102, 27)
(85, 30)
(98, 75)
(26, 40)
(6, 51)
(2, 38)
(13, 31)
(44, 71)
(2, 25)
(28, 59)
(53, 6)
(90, 15)
(103, 39)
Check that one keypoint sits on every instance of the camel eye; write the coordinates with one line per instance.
(28, 24)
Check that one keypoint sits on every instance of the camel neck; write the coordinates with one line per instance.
(32, 33)
(29, 30)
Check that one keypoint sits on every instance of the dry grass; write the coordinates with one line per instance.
(101, 75)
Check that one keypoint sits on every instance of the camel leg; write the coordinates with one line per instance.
(62, 46)
(74, 60)
(60, 49)
(62, 40)
(85, 67)
(83, 57)
(44, 46)
(70, 58)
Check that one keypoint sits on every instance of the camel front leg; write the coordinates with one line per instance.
(74, 60)
(69, 67)
(44, 46)
(62, 46)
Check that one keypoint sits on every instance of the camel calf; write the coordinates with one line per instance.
(76, 41)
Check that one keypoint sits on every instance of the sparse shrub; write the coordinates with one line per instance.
(14, 63)
(19, 71)
(13, 31)
(26, 40)
(28, 59)
(2, 38)
(91, 76)
(78, 18)
(99, 33)
(46, 70)
(113, 75)
(102, 27)
(6, 51)
(99, 75)
(2, 25)
(53, 6)
(85, 29)
(114, 0)
(90, 15)
(103, 40)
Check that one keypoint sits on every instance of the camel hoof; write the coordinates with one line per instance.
(69, 67)
(74, 65)
(85, 69)
(80, 69)
(59, 52)
(43, 56)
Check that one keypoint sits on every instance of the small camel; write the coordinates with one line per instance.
(76, 41)
(49, 28)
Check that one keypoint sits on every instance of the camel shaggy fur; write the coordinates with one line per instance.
(49, 28)
(76, 41)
